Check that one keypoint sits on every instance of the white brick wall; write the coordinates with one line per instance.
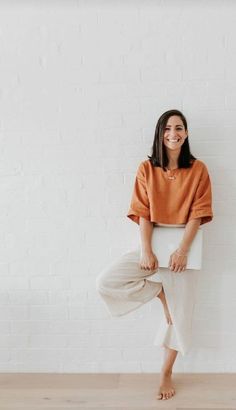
(82, 85)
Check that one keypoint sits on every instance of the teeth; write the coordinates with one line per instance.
(173, 140)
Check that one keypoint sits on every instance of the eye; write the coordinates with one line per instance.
(178, 128)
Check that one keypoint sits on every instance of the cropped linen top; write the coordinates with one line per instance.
(159, 199)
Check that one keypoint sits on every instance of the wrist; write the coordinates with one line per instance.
(146, 250)
(182, 251)
(184, 248)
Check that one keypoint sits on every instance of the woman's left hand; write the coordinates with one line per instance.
(177, 262)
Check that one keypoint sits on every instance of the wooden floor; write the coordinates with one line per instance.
(114, 391)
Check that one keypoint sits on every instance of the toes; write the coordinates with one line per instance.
(169, 394)
(164, 396)
(161, 396)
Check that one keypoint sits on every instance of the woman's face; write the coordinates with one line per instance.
(174, 133)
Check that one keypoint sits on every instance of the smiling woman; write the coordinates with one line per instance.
(170, 148)
(171, 188)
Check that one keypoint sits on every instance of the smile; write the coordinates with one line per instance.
(174, 141)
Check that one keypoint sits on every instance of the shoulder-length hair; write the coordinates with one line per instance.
(159, 156)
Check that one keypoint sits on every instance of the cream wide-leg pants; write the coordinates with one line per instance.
(124, 287)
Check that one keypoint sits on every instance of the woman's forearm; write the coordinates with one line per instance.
(189, 233)
(146, 228)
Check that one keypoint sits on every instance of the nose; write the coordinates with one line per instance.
(173, 133)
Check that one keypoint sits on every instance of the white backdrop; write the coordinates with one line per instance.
(82, 85)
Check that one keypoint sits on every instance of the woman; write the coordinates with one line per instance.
(172, 188)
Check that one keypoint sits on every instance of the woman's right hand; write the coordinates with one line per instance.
(148, 261)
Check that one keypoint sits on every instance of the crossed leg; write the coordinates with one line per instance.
(124, 287)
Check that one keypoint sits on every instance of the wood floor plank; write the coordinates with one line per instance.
(20, 391)
(52, 380)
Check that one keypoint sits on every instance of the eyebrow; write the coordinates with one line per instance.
(178, 125)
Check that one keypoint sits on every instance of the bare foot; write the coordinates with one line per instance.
(162, 298)
(166, 389)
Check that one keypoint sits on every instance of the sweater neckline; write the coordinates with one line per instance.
(171, 174)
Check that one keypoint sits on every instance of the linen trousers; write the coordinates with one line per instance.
(124, 287)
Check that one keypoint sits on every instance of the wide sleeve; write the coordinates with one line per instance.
(139, 205)
(202, 203)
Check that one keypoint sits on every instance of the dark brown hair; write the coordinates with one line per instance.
(159, 156)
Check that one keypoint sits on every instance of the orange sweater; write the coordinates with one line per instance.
(159, 199)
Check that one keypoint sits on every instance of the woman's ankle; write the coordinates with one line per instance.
(166, 372)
